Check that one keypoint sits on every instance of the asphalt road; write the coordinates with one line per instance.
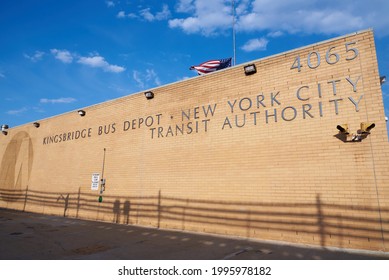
(30, 236)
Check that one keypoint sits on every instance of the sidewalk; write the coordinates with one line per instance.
(28, 236)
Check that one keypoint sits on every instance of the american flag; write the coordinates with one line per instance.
(211, 66)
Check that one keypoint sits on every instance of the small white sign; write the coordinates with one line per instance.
(95, 177)
(95, 181)
(95, 186)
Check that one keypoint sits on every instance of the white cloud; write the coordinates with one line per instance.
(121, 14)
(132, 15)
(280, 16)
(208, 17)
(97, 61)
(2, 75)
(110, 4)
(162, 15)
(301, 17)
(137, 77)
(145, 13)
(58, 100)
(255, 45)
(314, 16)
(242, 6)
(152, 76)
(185, 6)
(275, 34)
(62, 55)
(147, 79)
(35, 57)
(94, 60)
(17, 112)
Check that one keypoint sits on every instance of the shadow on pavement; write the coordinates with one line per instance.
(34, 236)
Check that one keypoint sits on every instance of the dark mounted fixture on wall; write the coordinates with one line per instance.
(149, 94)
(366, 127)
(4, 129)
(81, 113)
(250, 69)
(343, 128)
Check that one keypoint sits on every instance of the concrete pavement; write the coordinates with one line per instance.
(29, 236)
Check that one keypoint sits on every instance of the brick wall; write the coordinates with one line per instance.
(255, 156)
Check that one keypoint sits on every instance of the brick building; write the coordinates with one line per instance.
(256, 155)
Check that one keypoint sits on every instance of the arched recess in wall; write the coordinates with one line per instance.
(16, 166)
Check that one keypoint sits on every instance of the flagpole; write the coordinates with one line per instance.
(233, 32)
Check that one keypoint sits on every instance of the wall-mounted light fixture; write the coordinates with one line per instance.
(81, 113)
(36, 124)
(382, 80)
(343, 128)
(4, 129)
(149, 94)
(366, 127)
(360, 135)
(250, 69)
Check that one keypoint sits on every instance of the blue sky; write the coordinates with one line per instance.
(58, 56)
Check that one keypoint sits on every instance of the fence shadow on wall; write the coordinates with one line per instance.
(324, 224)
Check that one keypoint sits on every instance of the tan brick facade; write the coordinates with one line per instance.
(255, 156)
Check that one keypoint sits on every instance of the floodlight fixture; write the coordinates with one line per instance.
(81, 113)
(366, 127)
(4, 127)
(36, 124)
(382, 80)
(149, 94)
(250, 69)
(343, 128)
